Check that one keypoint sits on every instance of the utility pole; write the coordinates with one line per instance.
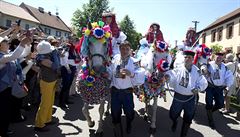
(195, 24)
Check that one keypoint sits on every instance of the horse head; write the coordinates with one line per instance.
(95, 46)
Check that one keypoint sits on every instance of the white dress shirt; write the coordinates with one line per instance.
(183, 81)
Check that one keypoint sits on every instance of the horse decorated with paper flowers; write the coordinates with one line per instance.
(156, 62)
(202, 57)
(92, 82)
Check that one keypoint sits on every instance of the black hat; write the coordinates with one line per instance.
(219, 53)
(188, 52)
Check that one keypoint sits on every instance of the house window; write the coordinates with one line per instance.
(213, 35)
(8, 23)
(219, 34)
(26, 26)
(58, 34)
(66, 35)
(204, 38)
(230, 30)
(47, 31)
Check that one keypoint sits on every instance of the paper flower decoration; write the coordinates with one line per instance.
(98, 33)
(161, 46)
(163, 65)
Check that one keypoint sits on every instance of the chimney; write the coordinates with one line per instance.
(41, 9)
(57, 13)
(49, 13)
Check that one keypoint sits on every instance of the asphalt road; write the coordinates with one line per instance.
(73, 124)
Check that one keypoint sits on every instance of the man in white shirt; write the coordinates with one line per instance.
(123, 72)
(219, 78)
(186, 80)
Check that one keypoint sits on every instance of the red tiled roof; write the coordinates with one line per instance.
(45, 18)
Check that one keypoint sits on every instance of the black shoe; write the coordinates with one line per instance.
(9, 132)
(43, 129)
(53, 122)
(152, 131)
(20, 119)
(174, 126)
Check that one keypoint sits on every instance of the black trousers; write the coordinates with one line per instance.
(67, 80)
(5, 111)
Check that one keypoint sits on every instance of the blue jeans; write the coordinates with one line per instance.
(122, 99)
(177, 107)
(214, 94)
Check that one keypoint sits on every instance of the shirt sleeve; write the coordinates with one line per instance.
(12, 56)
(228, 78)
(201, 82)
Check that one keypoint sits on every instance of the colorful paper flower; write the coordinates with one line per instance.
(161, 46)
(163, 65)
(98, 33)
(87, 32)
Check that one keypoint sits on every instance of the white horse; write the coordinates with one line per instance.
(154, 84)
(92, 82)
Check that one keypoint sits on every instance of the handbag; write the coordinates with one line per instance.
(19, 90)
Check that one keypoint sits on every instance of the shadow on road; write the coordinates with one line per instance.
(221, 121)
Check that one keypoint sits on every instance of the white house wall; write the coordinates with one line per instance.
(233, 42)
(4, 18)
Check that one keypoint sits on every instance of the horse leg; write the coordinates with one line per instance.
(86, 114)
(146, 110)
(108, 106)
(154, 115)
(100, 122)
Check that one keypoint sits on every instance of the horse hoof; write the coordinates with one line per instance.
(145, 117)
(99, 134)
(152, 130)
(107, 113)
(92, 124)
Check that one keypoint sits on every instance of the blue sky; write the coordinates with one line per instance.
(174, 16)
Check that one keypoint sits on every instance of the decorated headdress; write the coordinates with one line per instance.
(161, 46)
(202, 51)
(113, 26)
(163, 65)
(98, 33)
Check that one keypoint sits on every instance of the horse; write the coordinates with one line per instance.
(156, 62)
(92, 83)
(201, 57)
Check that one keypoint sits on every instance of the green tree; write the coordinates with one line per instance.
(127, 26)
(90, 11)
(216, 48)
